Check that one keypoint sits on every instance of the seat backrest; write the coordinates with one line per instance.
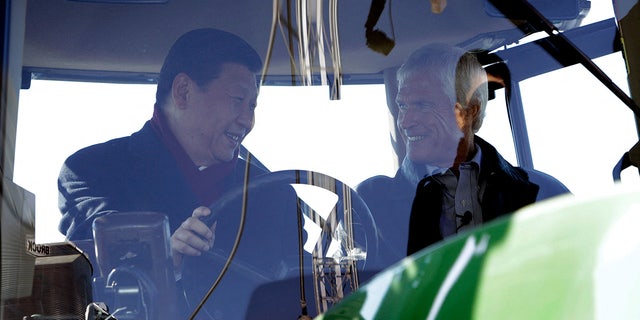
(549, 186)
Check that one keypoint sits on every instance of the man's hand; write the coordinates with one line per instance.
(192, 237)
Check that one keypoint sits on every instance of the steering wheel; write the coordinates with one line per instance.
(277, 264)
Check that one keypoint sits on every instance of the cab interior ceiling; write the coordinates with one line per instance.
(113, 41)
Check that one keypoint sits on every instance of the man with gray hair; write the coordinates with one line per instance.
(461, 180)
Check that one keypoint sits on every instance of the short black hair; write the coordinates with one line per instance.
(200, 54)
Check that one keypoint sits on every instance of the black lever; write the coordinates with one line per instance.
(522, 9)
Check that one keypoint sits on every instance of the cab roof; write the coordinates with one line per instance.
(126, 41)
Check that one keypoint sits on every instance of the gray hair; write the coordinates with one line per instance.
(456, 69)
(468, 72)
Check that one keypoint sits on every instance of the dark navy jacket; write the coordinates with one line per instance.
(507, 189)
(390, 201)
(134, 173)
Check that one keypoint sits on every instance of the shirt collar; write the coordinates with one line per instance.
(477, 158)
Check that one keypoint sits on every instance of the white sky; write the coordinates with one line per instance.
(120, 110)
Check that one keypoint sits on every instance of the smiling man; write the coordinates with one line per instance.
(461, 180)
(184, 158)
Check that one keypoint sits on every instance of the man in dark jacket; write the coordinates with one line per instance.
(461, 180)
(184, 158)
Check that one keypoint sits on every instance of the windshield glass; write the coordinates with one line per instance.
(330, 109)
(302, 128)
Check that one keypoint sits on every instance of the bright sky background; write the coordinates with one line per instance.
(566, 126)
